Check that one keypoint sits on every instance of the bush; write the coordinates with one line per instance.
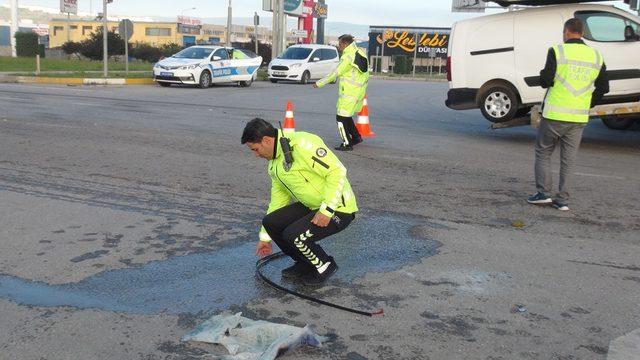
(27, 44)
(145, 52)
(170, 49)
(92, 47)
(264, 50)
(71, 48)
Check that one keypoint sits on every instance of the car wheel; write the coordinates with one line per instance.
(205, 80)
(246, 83)
(617, 122)
(164, 84)
(304, 80)
(498, 103)
(273, 80)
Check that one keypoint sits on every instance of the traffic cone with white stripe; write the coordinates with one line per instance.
(363, 121)
(289, 122)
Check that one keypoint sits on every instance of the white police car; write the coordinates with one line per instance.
(205, 65)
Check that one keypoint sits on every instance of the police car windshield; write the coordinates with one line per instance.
(193, 53)
(296, 53)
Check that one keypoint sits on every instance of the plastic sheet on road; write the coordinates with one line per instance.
(247, 339)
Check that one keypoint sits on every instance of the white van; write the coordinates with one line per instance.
(495, 61)
(304, 62)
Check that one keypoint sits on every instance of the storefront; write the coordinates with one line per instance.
(427, 45)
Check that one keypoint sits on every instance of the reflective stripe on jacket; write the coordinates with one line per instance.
(569, 99)
(353, 74)
(317, 178)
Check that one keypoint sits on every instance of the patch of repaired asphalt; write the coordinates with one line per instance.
(210, 282)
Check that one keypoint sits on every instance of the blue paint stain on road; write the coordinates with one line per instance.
(210, 282)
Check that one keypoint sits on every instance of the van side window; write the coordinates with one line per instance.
(222, 53)
(604, 26)
(329, 54)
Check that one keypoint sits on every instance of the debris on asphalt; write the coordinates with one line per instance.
(247, 339)
(518, 224)
(518, 308)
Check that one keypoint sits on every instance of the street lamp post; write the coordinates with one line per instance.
(14, 26)
(187, 9)
(105, 55)
(229, 18)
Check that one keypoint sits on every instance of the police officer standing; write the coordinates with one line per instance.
(311, 198)
(576, 78)
(353, 73)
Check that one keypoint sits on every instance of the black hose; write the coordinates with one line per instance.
(262, 262)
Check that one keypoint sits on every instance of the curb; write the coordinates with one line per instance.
(75, 81)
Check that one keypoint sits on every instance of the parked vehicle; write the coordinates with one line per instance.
(494, 61)
(302, 63)
(205, 65)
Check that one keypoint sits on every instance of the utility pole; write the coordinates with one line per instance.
(14, 26)
(320, 31)
(229, 18)
(105, 55)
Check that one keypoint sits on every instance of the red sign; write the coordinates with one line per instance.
(185, 20)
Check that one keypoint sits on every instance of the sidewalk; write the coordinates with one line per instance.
(74, 81)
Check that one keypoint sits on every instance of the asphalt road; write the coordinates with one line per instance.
(128, 216)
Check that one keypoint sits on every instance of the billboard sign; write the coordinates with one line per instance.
(431, 42)
(69, 6)
(294, 7)
(185, 20)
(320, 11)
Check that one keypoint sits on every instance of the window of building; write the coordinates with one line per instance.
(56, 29)
(158, 31)
(74, 27)
(86, 30)
(604, 26)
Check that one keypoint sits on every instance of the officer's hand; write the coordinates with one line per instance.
(321, 219)
(263, 249)
(315, 85)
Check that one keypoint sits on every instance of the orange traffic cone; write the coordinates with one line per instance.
(363, 120)
(289, 122)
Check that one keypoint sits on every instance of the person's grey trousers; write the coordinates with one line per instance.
(550, 133)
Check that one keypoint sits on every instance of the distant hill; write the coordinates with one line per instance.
(42, 15)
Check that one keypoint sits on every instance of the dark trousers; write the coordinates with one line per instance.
(291, 229)
(348, 131)
(551, 134)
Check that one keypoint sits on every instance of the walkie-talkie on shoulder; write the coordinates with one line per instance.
(286, 149)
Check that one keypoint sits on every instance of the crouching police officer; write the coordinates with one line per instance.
(311, 198)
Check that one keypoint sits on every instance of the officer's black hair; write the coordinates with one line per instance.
(346, 38)
(574, 26)
(256, 129)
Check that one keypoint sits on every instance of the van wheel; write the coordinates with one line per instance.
(617, 122)
(304, 80)
(498, 103)
(164, 84)
(273, 80)
(205, 80)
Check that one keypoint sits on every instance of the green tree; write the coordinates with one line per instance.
(27, 44)
(92, 47)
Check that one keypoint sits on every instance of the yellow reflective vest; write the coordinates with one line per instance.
(317, 178)
(353, 73)
(569, 99)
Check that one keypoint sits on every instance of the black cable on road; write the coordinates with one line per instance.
(262, 262)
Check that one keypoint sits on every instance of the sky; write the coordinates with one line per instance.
(365, 12)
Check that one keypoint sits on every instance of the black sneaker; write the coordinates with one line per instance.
(539, 199)
(297, 270)
(316, 278)
(560, 205)
(343, 147)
